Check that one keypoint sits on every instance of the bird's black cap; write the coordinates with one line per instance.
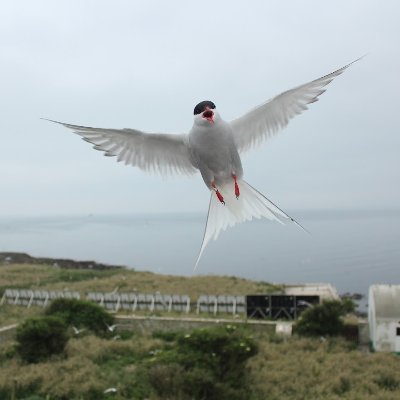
(202, 106)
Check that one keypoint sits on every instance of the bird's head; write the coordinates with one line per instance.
(205, 113)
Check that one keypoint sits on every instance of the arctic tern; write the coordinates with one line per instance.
(213, 147)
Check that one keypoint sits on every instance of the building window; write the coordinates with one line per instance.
(398, 331)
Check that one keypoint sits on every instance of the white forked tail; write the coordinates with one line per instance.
(250, 204)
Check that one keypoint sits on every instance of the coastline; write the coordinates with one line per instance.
(7, 258)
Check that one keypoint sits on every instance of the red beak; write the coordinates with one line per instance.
(208, 115)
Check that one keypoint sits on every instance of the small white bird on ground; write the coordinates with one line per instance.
(110, 390)
(77, 331)
(213, 147)
(111, 328)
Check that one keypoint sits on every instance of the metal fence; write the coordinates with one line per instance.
(141, 301)
(227, 304)
(213, 304)
(27, 297)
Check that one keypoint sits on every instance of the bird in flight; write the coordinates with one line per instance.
(213, 147)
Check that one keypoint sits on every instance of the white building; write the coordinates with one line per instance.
(325, 291)
(384, 317)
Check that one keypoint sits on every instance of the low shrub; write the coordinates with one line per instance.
(81, 314)
(387, 381)
(41, 337)
(166, 336)
(324, 319)
(205, 363)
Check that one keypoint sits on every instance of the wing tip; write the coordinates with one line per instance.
(51, 120)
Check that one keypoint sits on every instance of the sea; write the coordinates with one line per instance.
(350, 249)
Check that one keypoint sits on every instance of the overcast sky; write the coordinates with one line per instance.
(146, 64)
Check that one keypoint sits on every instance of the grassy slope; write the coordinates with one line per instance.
(50, 278)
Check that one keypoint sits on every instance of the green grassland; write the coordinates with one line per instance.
(296, 368)
(141, 366)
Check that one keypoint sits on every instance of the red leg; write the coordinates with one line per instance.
(219, 195)
(237, 191)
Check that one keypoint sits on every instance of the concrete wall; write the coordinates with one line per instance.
(152, 324)
(165, 324)
(384, 317)
(385, 336)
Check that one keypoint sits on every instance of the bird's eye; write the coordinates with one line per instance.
(202, 106)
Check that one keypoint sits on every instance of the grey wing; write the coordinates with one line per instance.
(272, 116)
(155, 152)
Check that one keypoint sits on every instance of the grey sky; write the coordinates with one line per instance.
(146, 64)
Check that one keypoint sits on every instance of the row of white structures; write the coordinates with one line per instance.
(132, 301)
(116, 301)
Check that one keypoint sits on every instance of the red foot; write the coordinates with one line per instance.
(219, 195)
(237, 191)
(220, 198)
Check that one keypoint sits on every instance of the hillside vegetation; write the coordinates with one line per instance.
(225, 362)
(146, 367)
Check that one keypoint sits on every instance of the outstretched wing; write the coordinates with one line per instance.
(163, 153)
(272, 116)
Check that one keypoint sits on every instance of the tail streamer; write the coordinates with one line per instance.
(251, 204)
